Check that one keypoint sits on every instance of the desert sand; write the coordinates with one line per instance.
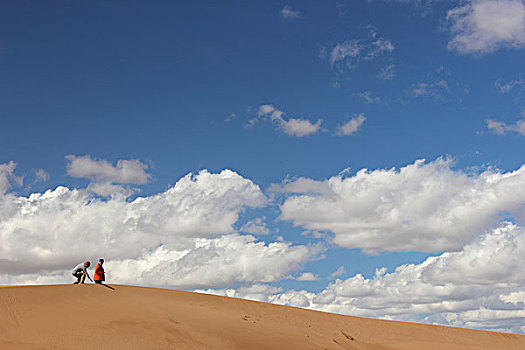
(96, 317)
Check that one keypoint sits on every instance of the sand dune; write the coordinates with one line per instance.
(95, 317)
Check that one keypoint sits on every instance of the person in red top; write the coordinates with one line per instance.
(99, 275)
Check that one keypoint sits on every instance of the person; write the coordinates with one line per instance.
(80, 272)
(99, 276)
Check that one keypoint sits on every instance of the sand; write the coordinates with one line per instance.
(95, 317)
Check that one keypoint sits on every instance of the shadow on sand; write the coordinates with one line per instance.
(105, 285)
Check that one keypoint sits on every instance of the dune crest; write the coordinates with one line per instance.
(95, 317)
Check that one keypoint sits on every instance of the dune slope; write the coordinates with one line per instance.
(96, 317)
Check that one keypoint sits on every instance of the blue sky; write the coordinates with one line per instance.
(118, 100)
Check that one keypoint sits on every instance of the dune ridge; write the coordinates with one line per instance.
(94, 317)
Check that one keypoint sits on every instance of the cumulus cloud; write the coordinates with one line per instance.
(108, 189)
(479, 286)
(183, 237)
(257, 292)
(502, 128)
(289, 13)
(423, 206)
(290, 126)
(351, 126)
(198, 263)
(307, 276)
(483, 26)
(220, 262)
(124, 172)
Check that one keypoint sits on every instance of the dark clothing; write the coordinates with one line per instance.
(98, 282)
(81, 277)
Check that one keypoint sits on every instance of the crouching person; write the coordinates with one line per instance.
(100, 275)
(80, 272)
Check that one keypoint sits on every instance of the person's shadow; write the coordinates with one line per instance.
(106, 285)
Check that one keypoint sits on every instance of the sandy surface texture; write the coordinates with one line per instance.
(96, 317)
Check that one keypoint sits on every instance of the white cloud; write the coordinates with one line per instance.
(349, 54)
(197, 263)
(437, 89)
(497, 127)
(483, 26)
(502, 128)
(421, 207)
(108, 190)
(41, 175)
(258, 292)
(349, 49)
(7, 175)
(479, 286)
(307, 276)
(216, 262)
(256, 226)
(379, 47)
(289, 13)
(368, 97)
(290, 126)
(352, 51)
(300, 127)
(351, 126)
(183, 237)
(125, 172)
(338, 272)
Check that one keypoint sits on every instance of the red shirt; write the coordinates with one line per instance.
(99, 273)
